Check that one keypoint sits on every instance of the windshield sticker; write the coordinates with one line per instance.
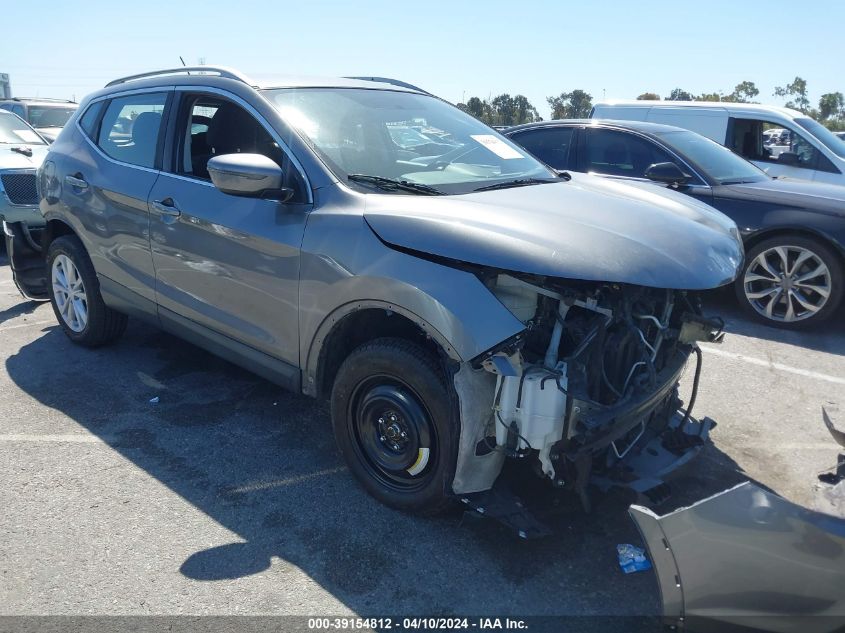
(497, 146)
(27, 136)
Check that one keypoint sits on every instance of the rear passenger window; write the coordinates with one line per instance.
(88, 121)
(550, 145)
(130, 128)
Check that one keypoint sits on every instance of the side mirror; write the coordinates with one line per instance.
(789, 158)
(669, 173)
(248, 175)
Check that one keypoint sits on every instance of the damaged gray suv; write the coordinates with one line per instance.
(459, 302)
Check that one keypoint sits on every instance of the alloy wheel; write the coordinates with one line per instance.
(69, 292)
(787, 283)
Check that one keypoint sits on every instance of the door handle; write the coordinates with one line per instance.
(167, 207)
(76, 181)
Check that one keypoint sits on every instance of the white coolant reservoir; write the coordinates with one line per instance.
(539, 412)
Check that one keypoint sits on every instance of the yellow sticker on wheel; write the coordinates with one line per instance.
(421, 463)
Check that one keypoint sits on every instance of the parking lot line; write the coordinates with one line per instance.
(278, 483)
(777, 366)
(66, 437)
(27, 324)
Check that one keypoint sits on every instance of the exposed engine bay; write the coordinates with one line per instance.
(593, 381)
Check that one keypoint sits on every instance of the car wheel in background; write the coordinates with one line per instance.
(75, 295)
(395, 423)
(791, 281)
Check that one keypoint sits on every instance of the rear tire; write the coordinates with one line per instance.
(396, 423)
(790, 281)
(75, 295)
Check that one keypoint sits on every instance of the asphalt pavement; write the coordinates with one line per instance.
(151, 478)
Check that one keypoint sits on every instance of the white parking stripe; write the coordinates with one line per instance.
(74, 438)
(278, 483)
(27, 324)
(777, 366)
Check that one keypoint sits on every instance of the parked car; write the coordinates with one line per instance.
(22, 150)
(794, 231)
(840, 135)
(813, 152)
(48, 116)
(457, 309)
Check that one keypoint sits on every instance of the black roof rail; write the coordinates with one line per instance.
(222, 71)
(392, 82)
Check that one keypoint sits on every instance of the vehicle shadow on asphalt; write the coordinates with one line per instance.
(827, 337)
(262, 463)
(20, 309)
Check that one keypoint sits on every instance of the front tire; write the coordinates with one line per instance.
(395, 422)
(790, 281)
(75, 295)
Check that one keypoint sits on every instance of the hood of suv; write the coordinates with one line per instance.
(10, 159)
(588, 228)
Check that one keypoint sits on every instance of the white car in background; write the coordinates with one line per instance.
(48, 116)
(809, 152)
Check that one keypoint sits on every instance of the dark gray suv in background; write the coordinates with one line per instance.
(459, 302)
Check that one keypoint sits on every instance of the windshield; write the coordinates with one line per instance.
(834, 144)
(13, 131)
(716, 161)
(405, 137)
(49, 116)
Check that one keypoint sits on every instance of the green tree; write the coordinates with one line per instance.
(832, 106)
(524, 112)
(571, 105)
(798, 91)
(744, 92)
(477, 108)
(711, 96)
(649, 96)
(679, 95)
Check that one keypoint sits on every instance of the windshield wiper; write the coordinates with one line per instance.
(518, 182)
(389, 184)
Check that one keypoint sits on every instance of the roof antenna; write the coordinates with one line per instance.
(184, 64)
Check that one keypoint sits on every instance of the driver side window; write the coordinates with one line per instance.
(212, 126)
(759, 140)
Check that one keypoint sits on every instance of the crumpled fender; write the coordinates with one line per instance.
(345, 267)
(746, 559)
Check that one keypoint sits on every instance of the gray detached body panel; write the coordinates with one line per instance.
(749, 560)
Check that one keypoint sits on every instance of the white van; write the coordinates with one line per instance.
(808, 151)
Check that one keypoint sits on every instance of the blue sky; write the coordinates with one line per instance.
(455, 49)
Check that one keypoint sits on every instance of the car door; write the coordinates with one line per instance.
(552, 144)
(227, 265)
(625, 155)
(104, 180)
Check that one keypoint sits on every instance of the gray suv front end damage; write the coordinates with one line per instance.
(458, 302)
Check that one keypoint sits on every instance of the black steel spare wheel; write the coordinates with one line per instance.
(395, 422)
(393, 432)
